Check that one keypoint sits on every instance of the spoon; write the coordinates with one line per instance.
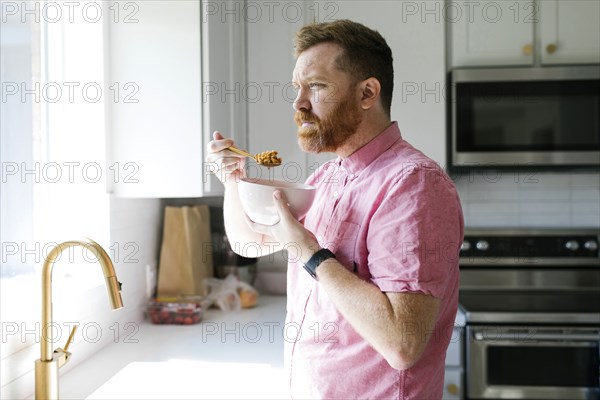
(266, 158)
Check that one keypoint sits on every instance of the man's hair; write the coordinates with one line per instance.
(366, 53)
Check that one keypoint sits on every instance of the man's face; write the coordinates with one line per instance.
(327, 103)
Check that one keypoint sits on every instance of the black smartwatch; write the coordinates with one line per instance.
(316, 260)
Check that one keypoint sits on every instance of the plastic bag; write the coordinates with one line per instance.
(230, 294)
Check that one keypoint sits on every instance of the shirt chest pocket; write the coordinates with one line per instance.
(342, 241)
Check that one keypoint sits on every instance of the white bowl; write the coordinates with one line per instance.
(256, 196)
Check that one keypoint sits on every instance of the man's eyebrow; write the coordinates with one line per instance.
(310, 78)
(316, 78)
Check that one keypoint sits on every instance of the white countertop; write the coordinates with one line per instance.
(227, 355)
(235, 355)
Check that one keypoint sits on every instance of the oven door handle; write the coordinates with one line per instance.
(579, 337)
(557, 337)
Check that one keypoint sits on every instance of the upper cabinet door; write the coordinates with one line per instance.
(180, 68)
(155, 135)
(491, 32)
(570, 31)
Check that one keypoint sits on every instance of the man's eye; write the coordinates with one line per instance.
(316, 85)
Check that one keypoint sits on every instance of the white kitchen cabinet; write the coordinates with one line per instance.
(523, 32)
(453, 387)
(569, 31)
(491, 32)
(452, 384)
(155, 123)
(171, 64)
(418, 49)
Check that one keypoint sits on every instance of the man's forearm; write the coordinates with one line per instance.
(395, 326)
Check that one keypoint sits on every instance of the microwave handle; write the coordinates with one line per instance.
(587, 337)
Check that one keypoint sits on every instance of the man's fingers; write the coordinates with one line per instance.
(259, 228)
(283, 207)
(219, 143)
(216, 146)
(231, 164)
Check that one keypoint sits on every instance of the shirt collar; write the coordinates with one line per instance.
(362, 157)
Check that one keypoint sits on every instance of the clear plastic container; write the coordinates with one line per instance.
(175, 311)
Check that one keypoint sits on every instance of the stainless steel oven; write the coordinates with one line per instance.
(525, 117)
(532, 305)
(526, 362)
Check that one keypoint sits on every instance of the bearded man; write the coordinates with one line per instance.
(375, 289)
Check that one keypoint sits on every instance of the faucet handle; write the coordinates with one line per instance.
(70, 339)
(62, 355)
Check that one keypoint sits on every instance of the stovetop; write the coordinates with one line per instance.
(530, 276)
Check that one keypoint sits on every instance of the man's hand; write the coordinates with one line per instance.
(288, 232)
(226, 165)
(229, 168)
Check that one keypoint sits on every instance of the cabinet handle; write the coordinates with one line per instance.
(452, 389)
(528, 49)
(551, 48)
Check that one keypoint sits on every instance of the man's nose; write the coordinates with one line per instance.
(302, 101)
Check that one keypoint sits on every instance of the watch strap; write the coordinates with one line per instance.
(321, 255)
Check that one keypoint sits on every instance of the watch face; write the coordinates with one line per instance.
(310, 271)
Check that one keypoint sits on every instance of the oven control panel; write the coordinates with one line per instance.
(516, 244)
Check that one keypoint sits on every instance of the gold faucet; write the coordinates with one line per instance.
(46, 368)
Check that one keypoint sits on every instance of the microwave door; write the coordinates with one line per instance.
(506, 123)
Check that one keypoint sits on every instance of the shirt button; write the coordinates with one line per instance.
(335, 194)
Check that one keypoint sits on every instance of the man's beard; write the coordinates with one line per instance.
(332, 131)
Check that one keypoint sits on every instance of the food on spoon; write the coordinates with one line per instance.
(268, 158)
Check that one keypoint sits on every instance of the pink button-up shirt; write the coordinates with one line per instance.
(393, 217)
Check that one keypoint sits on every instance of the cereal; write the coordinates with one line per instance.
(268, 158)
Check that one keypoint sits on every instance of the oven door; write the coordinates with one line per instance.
(532, 362)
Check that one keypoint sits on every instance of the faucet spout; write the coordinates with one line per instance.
(46, 368)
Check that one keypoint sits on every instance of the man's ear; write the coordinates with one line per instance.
(370, 90)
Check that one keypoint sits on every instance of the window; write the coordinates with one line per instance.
(19, 128)
(53, 132)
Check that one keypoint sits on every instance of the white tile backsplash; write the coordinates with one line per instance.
(530, 199)
(591, 180)
(585, 194)
(586, 220)
(533, 195)
(505, 194)
(545, 221)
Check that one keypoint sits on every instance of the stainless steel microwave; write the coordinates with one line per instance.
(524, 117)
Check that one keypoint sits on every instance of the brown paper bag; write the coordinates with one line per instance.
(186, 252)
